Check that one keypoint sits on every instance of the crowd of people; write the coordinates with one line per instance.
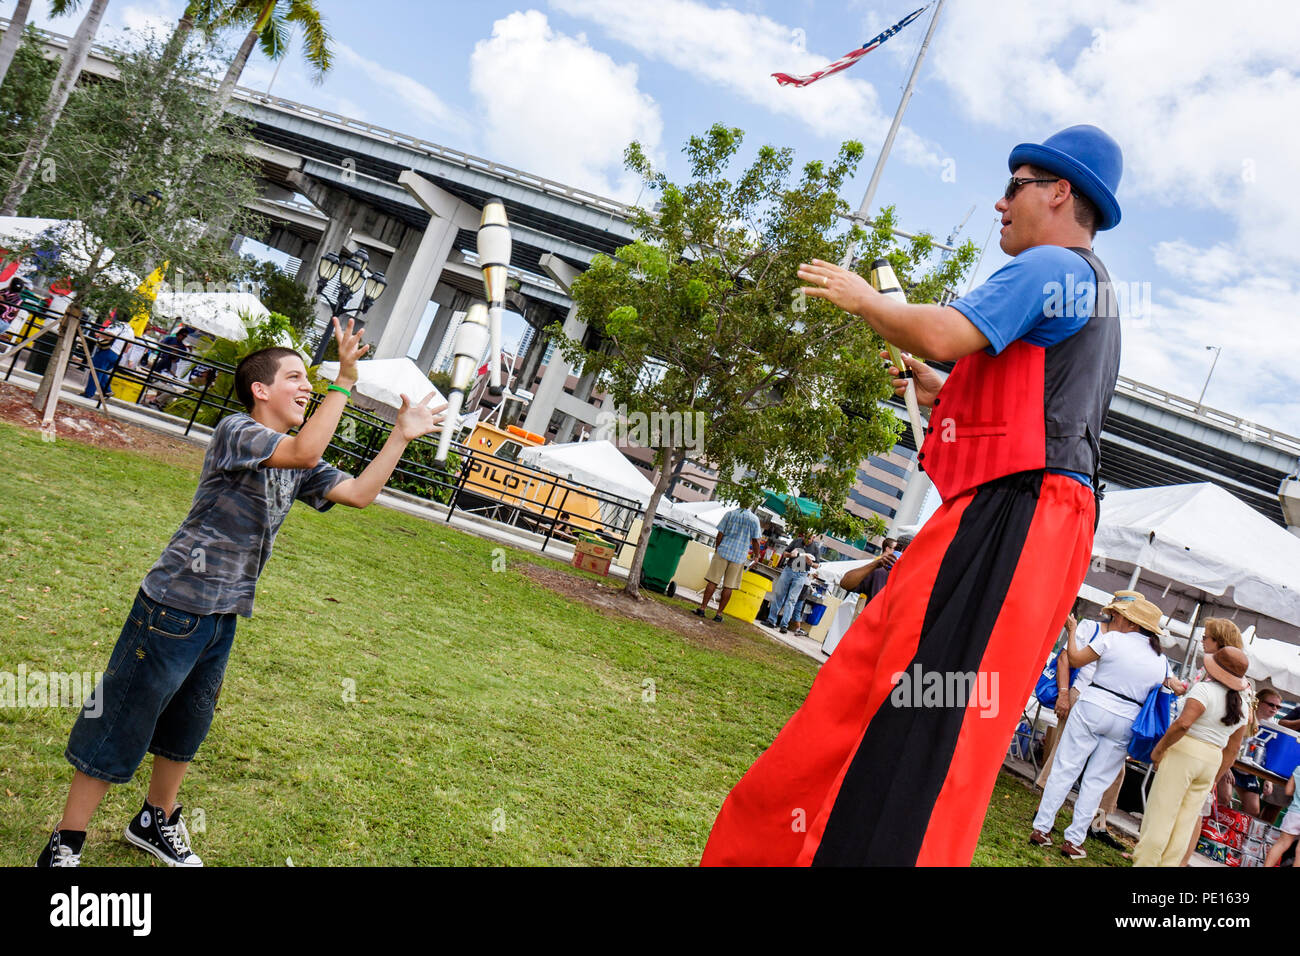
(1102, 678)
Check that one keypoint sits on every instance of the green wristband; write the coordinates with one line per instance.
(339, 388)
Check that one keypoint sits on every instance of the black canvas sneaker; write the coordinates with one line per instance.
(60, 853)
(167, 839)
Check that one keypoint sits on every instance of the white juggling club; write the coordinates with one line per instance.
(471, 338)
(885, 282)
(494, 261)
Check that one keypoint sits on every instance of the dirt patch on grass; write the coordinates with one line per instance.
(726, 635)
(94, 428)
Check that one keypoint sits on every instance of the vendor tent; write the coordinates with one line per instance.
(70, 241)
(1204, 538)
(1198, 552)
(599, 464)
(223, 314)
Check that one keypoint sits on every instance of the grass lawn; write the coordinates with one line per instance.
(493, 722)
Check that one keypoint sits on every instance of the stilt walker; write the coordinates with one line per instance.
(865, 773)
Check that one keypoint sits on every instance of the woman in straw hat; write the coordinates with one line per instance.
(1197, 750)
(1130, 665)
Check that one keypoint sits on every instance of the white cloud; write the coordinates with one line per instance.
(552, 105)
(739, 51)
(1202, 99)
(1253, 319)
(415, 97)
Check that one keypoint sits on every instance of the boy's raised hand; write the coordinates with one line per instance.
(419, 419)
(350, 350)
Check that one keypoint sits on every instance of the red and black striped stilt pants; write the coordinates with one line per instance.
(864, 774)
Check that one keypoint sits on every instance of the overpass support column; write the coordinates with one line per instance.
(550, 391)
(416, 267)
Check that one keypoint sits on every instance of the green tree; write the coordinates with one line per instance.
(702, 322)
(69, 70)
(106, 161)
(22, 97)
(282, 293)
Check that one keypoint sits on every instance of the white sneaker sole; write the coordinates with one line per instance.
(148, 848)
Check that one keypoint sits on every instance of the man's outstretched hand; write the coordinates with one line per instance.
(843, 288)
(414, 421)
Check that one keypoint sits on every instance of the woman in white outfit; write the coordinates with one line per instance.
(1096, 737)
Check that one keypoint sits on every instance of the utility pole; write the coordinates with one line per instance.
(864, 210)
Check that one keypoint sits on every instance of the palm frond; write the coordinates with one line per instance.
(274, 38)
(59, 7)
(316, 38)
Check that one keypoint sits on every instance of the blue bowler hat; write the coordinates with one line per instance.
(1087, 157)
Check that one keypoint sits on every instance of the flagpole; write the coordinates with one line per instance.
(864, 210)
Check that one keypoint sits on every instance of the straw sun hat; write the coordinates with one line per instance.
(1228, 666)
(1136, 608)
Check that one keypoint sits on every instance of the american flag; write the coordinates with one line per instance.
(846, 61)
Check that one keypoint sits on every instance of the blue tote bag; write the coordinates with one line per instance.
(1046, 690)
(1152, 722)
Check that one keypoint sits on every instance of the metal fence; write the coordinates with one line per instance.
(473, 482)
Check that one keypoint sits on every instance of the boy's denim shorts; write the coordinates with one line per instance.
(158, 692)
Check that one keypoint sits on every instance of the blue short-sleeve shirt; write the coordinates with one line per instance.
(1044, 295)
(739, 528)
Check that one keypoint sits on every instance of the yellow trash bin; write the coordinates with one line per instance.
(748, 598)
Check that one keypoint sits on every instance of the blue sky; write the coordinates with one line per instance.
(1203, 104)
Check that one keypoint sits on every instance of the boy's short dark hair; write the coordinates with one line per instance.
(260, 366)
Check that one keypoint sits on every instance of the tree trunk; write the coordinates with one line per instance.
(663, 475)
(73, 60)
(176, 43)
(46, 399)
(227, 88)
(13, 37)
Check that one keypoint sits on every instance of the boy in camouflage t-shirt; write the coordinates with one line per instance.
(161, 684)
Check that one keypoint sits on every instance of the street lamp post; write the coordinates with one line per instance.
(1216, 349)
(353, 275)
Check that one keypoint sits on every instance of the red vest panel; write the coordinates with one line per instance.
(987, 421)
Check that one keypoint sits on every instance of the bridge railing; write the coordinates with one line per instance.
(1251, 431)
(468, 160)
(460, 158)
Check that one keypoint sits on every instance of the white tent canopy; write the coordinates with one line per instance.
(74, 240)
(387, 380)
(222, 314)
(832, 571)
(598, 464)
(706, 515)
(1201, 536)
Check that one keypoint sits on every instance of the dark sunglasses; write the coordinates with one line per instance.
(1014, 184)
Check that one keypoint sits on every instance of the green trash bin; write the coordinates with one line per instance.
(666, 548)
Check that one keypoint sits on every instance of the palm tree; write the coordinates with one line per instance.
(13, 36)
(73, 60)
(270, 22)
(208, 15)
